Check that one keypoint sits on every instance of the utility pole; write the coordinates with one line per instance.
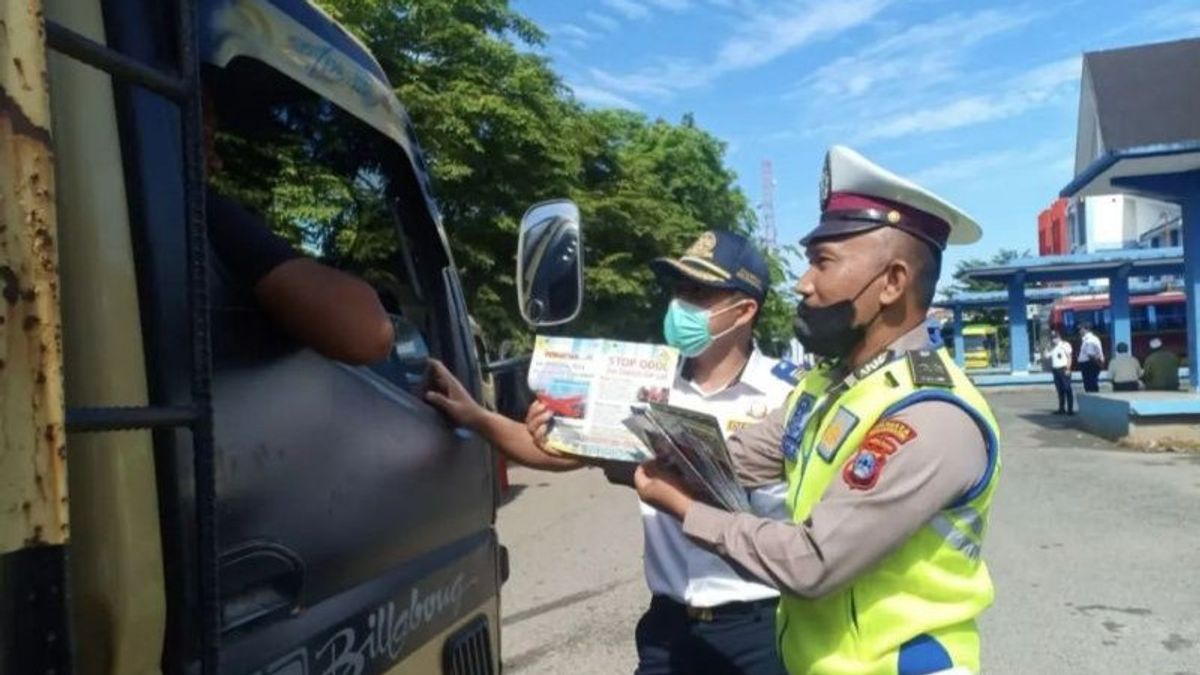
(766, 226)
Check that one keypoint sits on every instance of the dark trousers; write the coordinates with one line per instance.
(1062, 384)
(1125, 386)
(1090, 370)
(737, 639)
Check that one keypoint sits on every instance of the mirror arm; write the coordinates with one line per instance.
(506, 365)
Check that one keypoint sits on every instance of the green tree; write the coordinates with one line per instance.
(650, 189)
(996, 316)
(962, 283)
(502, 132)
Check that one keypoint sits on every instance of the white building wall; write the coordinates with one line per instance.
(1105, 220)
(1115, 221)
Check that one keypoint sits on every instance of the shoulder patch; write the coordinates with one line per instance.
(928, 369)
(886, 437)
(787, 371)
(843, 423)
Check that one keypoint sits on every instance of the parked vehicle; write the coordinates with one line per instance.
(1161, 315)
(235, 502)
(981, 346)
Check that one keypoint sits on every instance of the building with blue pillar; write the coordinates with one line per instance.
(1058, 268)
(1117, 267)
(1140, 135)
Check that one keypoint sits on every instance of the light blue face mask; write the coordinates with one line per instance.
(685, 327)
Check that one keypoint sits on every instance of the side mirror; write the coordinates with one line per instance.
(550, 263)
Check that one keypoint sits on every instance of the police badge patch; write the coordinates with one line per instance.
(843, 423)
(862, 471)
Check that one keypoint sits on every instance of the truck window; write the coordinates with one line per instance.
(325, 182)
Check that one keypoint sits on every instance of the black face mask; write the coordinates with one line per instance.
(829, 331)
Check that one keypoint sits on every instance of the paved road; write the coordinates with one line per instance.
(1095, 552)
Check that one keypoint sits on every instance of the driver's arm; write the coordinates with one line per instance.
(334, 313)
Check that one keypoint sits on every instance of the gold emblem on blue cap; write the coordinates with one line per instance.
(703, 247)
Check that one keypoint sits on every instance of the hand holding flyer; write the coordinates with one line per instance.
(589, 385)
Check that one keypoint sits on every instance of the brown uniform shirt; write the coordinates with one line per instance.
(850, 528)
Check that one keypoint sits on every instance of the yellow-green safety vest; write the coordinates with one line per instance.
(914, 611)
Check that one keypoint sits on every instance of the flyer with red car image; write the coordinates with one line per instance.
(590, 384)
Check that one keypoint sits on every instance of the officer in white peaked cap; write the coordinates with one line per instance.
(890, 453)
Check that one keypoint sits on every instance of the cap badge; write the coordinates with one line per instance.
(893, 217)
(704, 246)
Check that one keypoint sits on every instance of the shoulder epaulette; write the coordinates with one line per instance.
(928, 369)
(787, 371)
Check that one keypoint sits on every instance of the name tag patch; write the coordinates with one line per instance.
(733, 426)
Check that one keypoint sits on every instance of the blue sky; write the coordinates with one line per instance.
(977, 101)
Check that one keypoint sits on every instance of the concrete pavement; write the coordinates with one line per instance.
(1095, 552)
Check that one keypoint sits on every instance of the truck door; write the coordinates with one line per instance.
(354, 525)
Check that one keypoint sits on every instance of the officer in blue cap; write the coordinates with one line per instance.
(704, 617)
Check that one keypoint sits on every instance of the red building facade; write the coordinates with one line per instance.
(1052, 229)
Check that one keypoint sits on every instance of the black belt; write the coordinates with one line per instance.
(663, 603)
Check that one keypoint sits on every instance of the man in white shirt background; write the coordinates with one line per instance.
(1059, 355)
(1091, 359)
(704, 617)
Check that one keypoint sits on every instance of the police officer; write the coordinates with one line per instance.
(889, 452)
(704, 617)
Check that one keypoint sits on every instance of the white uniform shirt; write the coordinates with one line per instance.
(675, 566)
(1090, 349)
(1060, 355)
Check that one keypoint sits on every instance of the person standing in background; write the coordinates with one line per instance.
(1059, 355)
(1091, 359)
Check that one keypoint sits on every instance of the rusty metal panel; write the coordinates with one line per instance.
(33, 486)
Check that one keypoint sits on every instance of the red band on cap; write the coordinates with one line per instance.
(911, 219)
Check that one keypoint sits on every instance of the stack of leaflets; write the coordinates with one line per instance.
(693, 444)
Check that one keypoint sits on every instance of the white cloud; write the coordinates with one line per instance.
(914, 58)
(629, 9)
(571, 30)
(671, 5)
(1049, 154)
(770, 35)
(575, 35)
(1160, 23)
(603, 20)
(760, 39)
(600, 98)
(660, 81)
(1036, 88)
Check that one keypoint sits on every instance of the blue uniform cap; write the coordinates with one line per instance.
(719, 259)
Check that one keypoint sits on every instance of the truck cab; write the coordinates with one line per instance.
(201, 492)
